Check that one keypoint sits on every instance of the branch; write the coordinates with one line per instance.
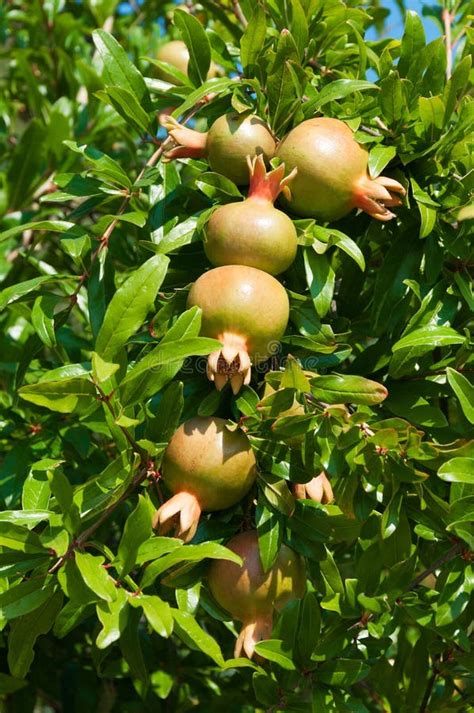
(428, 692)
(447, 557)
(85, 535)
(239, 14)
(447, 18)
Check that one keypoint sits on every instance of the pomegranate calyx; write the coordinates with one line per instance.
(181, 513)
(267, 185)
(231, 363)
(251, 633)
(318, 489)
(375, 196)
(189, 143)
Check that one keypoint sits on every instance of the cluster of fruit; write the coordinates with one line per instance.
(209, 465)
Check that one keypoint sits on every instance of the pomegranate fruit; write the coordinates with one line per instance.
(317, 489)
(247, 310)
(249, 594)
(332, 176)
(254, 232)
(208, 467)
(231, 138)
(176, 53)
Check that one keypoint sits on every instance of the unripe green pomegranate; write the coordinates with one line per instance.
(231, 138)
(249, 594)
(176, 53)
(208, 467)
(247, 310)
(332, 176)
(254, 232)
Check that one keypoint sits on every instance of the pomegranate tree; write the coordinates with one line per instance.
(249, 594)
(231, 138)
(332, 176)
(247, 310)
(254, 232)
(208, 467)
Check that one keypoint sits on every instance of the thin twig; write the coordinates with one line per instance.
(447, 18)
(86, 534)
(428, 692)
(447, 557)
(239, 14)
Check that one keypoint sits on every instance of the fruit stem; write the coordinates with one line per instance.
(267, 186)
(190, 143)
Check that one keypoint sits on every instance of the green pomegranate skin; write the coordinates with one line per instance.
(176, 53)
(233, 137)
(242, 301)
(252, 233)
(247, 592)
(329, 162)
(207, 460)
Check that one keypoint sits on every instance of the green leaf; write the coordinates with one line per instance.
(64, 396)
(252, 41)
(342, 388)
(158, 613)
(167, 416)
(103, 167)
(156, 547)
(16, 292)
(24, 632)
(187, 628)
(9, 685)
(127, 105)
(464, 390)
(114, 618)
(272, 649)
(456, 86)
(344, 672)
(55, 226)
(131, 648)
(338, 89)
(270, 535)
(197, 42)
(25, 597)
(42, 318)
(95, 576)
(129, 306)
(392, 98)
(379, 157)
(63, 493)
(308, 628)
(118, 70)
(413, 41)
(187, 553)
(25, 163)
(320, 278)
(25, 517)
(15, 537)
(430, 337)
(457, 470)
(136, 531)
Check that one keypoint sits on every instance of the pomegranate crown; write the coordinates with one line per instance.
(188, 143)
(267, 185)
